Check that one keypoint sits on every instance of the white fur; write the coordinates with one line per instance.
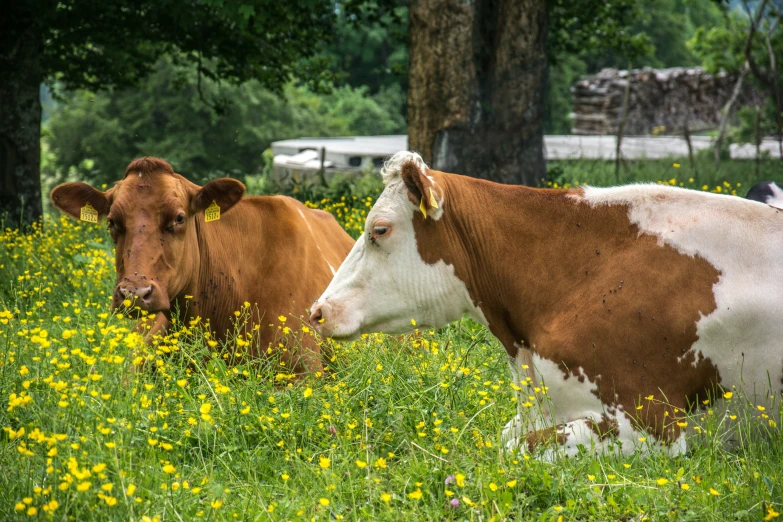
(382, 286)
(573, 405)
(743, 337)
(392, 166)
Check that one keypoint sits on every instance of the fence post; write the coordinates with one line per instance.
(758, 141)
(687, 135)
(621, 126)
(322, 170)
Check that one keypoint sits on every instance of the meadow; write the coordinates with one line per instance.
(394, 428)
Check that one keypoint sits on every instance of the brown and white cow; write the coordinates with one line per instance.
(602, 296)
(272, 252)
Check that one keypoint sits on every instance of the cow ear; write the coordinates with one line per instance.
(71, 198)
(422, 191)
(225, 192)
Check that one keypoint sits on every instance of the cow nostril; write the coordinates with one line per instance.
(316, 317)
(146, 293)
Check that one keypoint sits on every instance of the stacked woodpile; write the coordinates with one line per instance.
(660, 100)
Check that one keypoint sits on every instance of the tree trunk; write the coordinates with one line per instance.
(20, 129)
(477, 82)
(728, 109)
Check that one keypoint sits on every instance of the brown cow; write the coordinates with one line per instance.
(627, 305)
(270, 251)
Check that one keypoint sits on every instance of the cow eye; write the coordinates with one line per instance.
(180, 219)
(380, 231)
(114, 225)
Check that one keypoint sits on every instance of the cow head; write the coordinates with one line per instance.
(151, 215)
(384, 285)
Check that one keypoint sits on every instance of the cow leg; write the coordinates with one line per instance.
(565, 439)
(561, 440)
(560, 413)
(528, 418)
(598, 434)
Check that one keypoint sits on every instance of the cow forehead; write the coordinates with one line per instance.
(149, 192)
(391, 204)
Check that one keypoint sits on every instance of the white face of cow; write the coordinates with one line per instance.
(384, 283)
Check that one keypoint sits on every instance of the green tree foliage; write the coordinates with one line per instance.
(578, 26)
(588, 36)
(100, 45)
(722, 48)
(87, 44)
(371, 51)
(94, 136)
(562, 75)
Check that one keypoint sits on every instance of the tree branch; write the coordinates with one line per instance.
(728, 109)
(217, 107)
(754, 22)
(778, 108)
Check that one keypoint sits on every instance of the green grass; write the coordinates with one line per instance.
(730, 174)
(214, 436)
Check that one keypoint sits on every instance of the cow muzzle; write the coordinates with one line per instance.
(146, 295)
(327, 317)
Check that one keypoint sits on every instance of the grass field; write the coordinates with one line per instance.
(392, 430)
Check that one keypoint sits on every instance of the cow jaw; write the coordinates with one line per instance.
(384, 285)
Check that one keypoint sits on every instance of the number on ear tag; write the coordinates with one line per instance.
(89, 214)
(212, 213)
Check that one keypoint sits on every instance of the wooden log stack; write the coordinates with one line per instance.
(661, 101)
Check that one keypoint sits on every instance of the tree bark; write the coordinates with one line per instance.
(20, 129)
(477, 82)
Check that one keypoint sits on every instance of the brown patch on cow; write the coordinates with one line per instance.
(546, 437)
(605, 428)
(260, 251)
(580, 286)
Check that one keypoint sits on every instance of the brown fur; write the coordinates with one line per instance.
(260, 251)
(607, 427)
(545, 437)
(581, 287)
(147, 166)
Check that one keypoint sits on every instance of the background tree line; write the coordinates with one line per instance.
(346, 68)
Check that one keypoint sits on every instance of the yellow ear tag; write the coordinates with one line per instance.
(89, 214)
(423, 208)
(433, 201)
(212, 213)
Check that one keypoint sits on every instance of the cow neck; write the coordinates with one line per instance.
(212, 280)
(221, 284)
(508, 244)
(194, 247)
